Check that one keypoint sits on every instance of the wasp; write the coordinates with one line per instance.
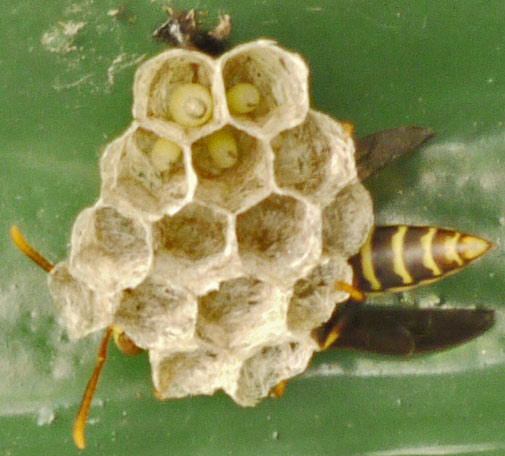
(398, 258)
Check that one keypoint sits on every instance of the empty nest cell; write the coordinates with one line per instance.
(156, 316)
(183, 374)
(110, 251)
(278, 237)
(232, 169)
(195, 233)
(316, 295)
(280, 78)
(347, 221)
(315, 159)
(267, 368)
(191, 249)
(82, 310)
(243, 313)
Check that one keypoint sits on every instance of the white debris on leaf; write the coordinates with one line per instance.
(46, 416)
(220, 265)
(120, 63)
(60, 39)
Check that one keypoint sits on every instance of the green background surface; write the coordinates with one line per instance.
(379, 64)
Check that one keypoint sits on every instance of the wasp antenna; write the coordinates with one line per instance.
(82, 416)
(29, 251)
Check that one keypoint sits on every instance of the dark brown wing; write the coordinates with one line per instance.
(378, 150)
(399, 331)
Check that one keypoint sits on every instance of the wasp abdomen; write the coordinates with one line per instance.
(400, 256)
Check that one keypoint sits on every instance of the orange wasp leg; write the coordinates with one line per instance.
(336, 329)
(82, 416)
(354, 293)
(80, 422)
(29, 251)
(278, 390)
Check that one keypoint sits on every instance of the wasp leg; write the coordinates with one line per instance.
(82, 416)
(355, 293)
(327, 334)
(124, 343)
(399, 331)
(278, 390)
(22, 244)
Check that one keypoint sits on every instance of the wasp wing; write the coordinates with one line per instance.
(378, 150)
(400, 331)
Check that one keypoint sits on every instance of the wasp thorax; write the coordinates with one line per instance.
(211, 245)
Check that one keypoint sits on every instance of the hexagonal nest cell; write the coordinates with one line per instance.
(347, 221)
(279, 76)
(110, 251)
(279, 237)
(242, 314)
(193, 234)
(157, 80)
(146, 173)
(182, 374)
(155, 315)
(82, 309)
(315, 295)
(267, 368)
(238, 186)
(315, 159)
(216, 246)
(191, 248)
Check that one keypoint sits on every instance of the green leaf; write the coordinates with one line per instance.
(376, 64)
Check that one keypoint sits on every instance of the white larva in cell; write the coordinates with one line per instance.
(223, 148)
(164, 154)
(191, 105)
(243, 98)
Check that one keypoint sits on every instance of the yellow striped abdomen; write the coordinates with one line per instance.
(399, 257)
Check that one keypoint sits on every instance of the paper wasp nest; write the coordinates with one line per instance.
(220, 264)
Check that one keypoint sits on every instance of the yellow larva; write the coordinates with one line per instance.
(222, 148)
(164, 154)
(243, 98)
(191, 105)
